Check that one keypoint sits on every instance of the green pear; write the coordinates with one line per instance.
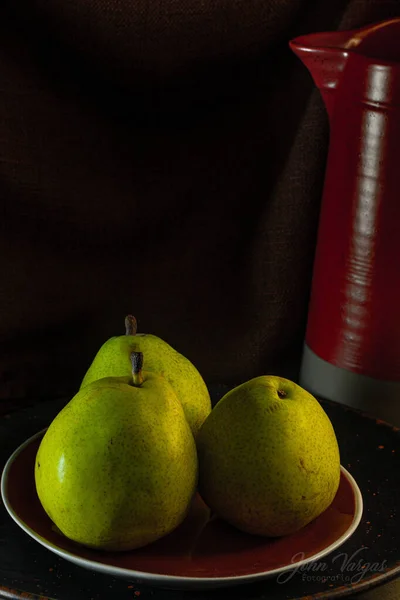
(112, 360)
(117, 468)
(268, 457)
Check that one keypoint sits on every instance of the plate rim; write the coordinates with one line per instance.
(162, 579)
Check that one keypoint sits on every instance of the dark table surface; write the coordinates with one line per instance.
(370, 450)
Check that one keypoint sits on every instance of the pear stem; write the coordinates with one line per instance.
(130, 325)
(137, 364)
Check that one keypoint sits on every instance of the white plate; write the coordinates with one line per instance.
(195, 556)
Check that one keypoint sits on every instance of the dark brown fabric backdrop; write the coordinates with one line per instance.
(165, 158)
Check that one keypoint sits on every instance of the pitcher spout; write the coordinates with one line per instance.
(325, 55)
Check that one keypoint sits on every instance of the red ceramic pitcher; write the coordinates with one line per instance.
(352, 346)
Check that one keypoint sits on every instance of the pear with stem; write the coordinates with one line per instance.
(117, 468)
